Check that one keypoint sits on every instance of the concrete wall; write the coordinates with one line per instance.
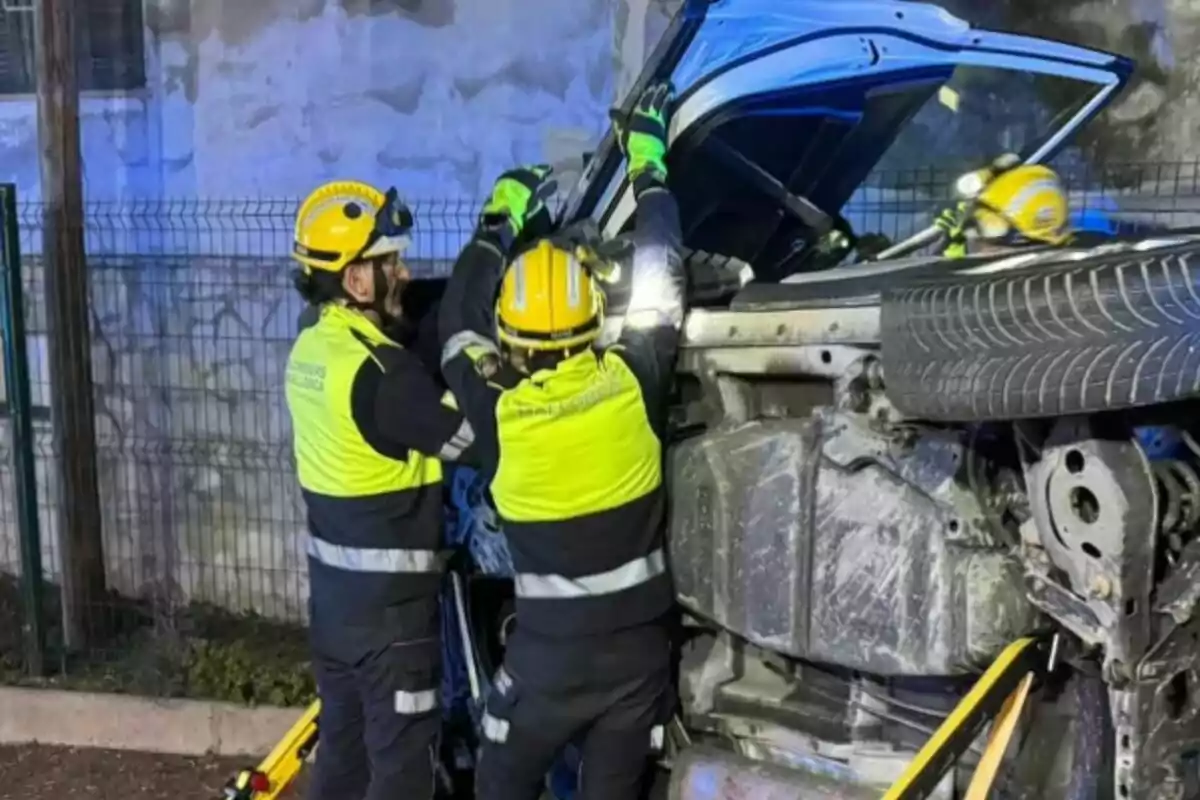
(437, 96)
(1155, 120)
(270, 97)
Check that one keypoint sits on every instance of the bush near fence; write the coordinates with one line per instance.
(192, 315)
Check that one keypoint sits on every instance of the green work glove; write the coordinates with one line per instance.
(519, 197)
(642, 133)
(952, 222)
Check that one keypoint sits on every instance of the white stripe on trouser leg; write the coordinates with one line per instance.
(416, 702)
(494, 728)
(657, 738)
(503, 682)
(630, 574)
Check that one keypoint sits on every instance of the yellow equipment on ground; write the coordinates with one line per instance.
(276, 772)
(1000, 695)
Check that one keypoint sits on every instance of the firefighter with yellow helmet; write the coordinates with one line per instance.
(371, 431)
(572, 438)
(1007, 204)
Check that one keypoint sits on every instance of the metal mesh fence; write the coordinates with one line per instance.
(191, 318)
(192, 315)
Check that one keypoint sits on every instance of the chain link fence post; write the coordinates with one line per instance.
(20, 411)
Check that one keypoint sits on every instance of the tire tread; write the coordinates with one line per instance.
(1107, 332)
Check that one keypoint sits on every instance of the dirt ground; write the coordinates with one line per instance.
(36, 772)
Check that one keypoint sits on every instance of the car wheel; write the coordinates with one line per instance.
(1065, 750)
(1091, 777)
(1111, 330)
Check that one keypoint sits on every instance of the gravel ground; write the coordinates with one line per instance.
(35, 772)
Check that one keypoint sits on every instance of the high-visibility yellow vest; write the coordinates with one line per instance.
(374, 521)
(579, 488)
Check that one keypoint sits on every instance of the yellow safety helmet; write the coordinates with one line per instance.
(344, 222)
(1027, 201)
(548, 301)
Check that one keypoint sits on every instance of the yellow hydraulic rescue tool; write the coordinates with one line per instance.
(277, 771)
(999, 695)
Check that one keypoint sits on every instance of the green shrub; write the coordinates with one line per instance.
(237, 672)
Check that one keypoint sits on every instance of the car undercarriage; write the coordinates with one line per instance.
(847, 561)
(884, 473)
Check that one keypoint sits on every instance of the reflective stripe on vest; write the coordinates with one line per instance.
(369, 559)
(416, 702)
(332, 458)
(626, 576)
(574, 441)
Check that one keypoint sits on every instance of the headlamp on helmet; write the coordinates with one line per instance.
(972, 184)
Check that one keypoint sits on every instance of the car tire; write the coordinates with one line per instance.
(1091, 778)
(1108, 331)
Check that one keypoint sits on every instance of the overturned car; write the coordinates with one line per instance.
(883, 474)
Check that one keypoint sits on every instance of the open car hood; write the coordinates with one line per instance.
(785, 107)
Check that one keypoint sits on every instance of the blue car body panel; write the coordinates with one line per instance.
(737, 64)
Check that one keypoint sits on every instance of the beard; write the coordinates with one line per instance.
(393, 301)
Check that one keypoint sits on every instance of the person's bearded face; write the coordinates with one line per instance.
(396, 273)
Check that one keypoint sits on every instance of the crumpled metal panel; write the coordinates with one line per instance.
(820, 539)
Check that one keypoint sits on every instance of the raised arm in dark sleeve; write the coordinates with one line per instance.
(649, 337)
(399, 407)
(471, 362)
(470, 358)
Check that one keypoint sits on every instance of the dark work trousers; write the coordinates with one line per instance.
(380, 719)
(608, 693)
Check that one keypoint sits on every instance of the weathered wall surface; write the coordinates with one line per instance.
(438, 96)
(1155, 120)
(272, 96)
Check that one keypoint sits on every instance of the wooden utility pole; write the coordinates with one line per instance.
(78, 501)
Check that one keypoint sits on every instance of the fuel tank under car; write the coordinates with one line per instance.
(825, 539)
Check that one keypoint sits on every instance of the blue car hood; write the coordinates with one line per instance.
(785, 106)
